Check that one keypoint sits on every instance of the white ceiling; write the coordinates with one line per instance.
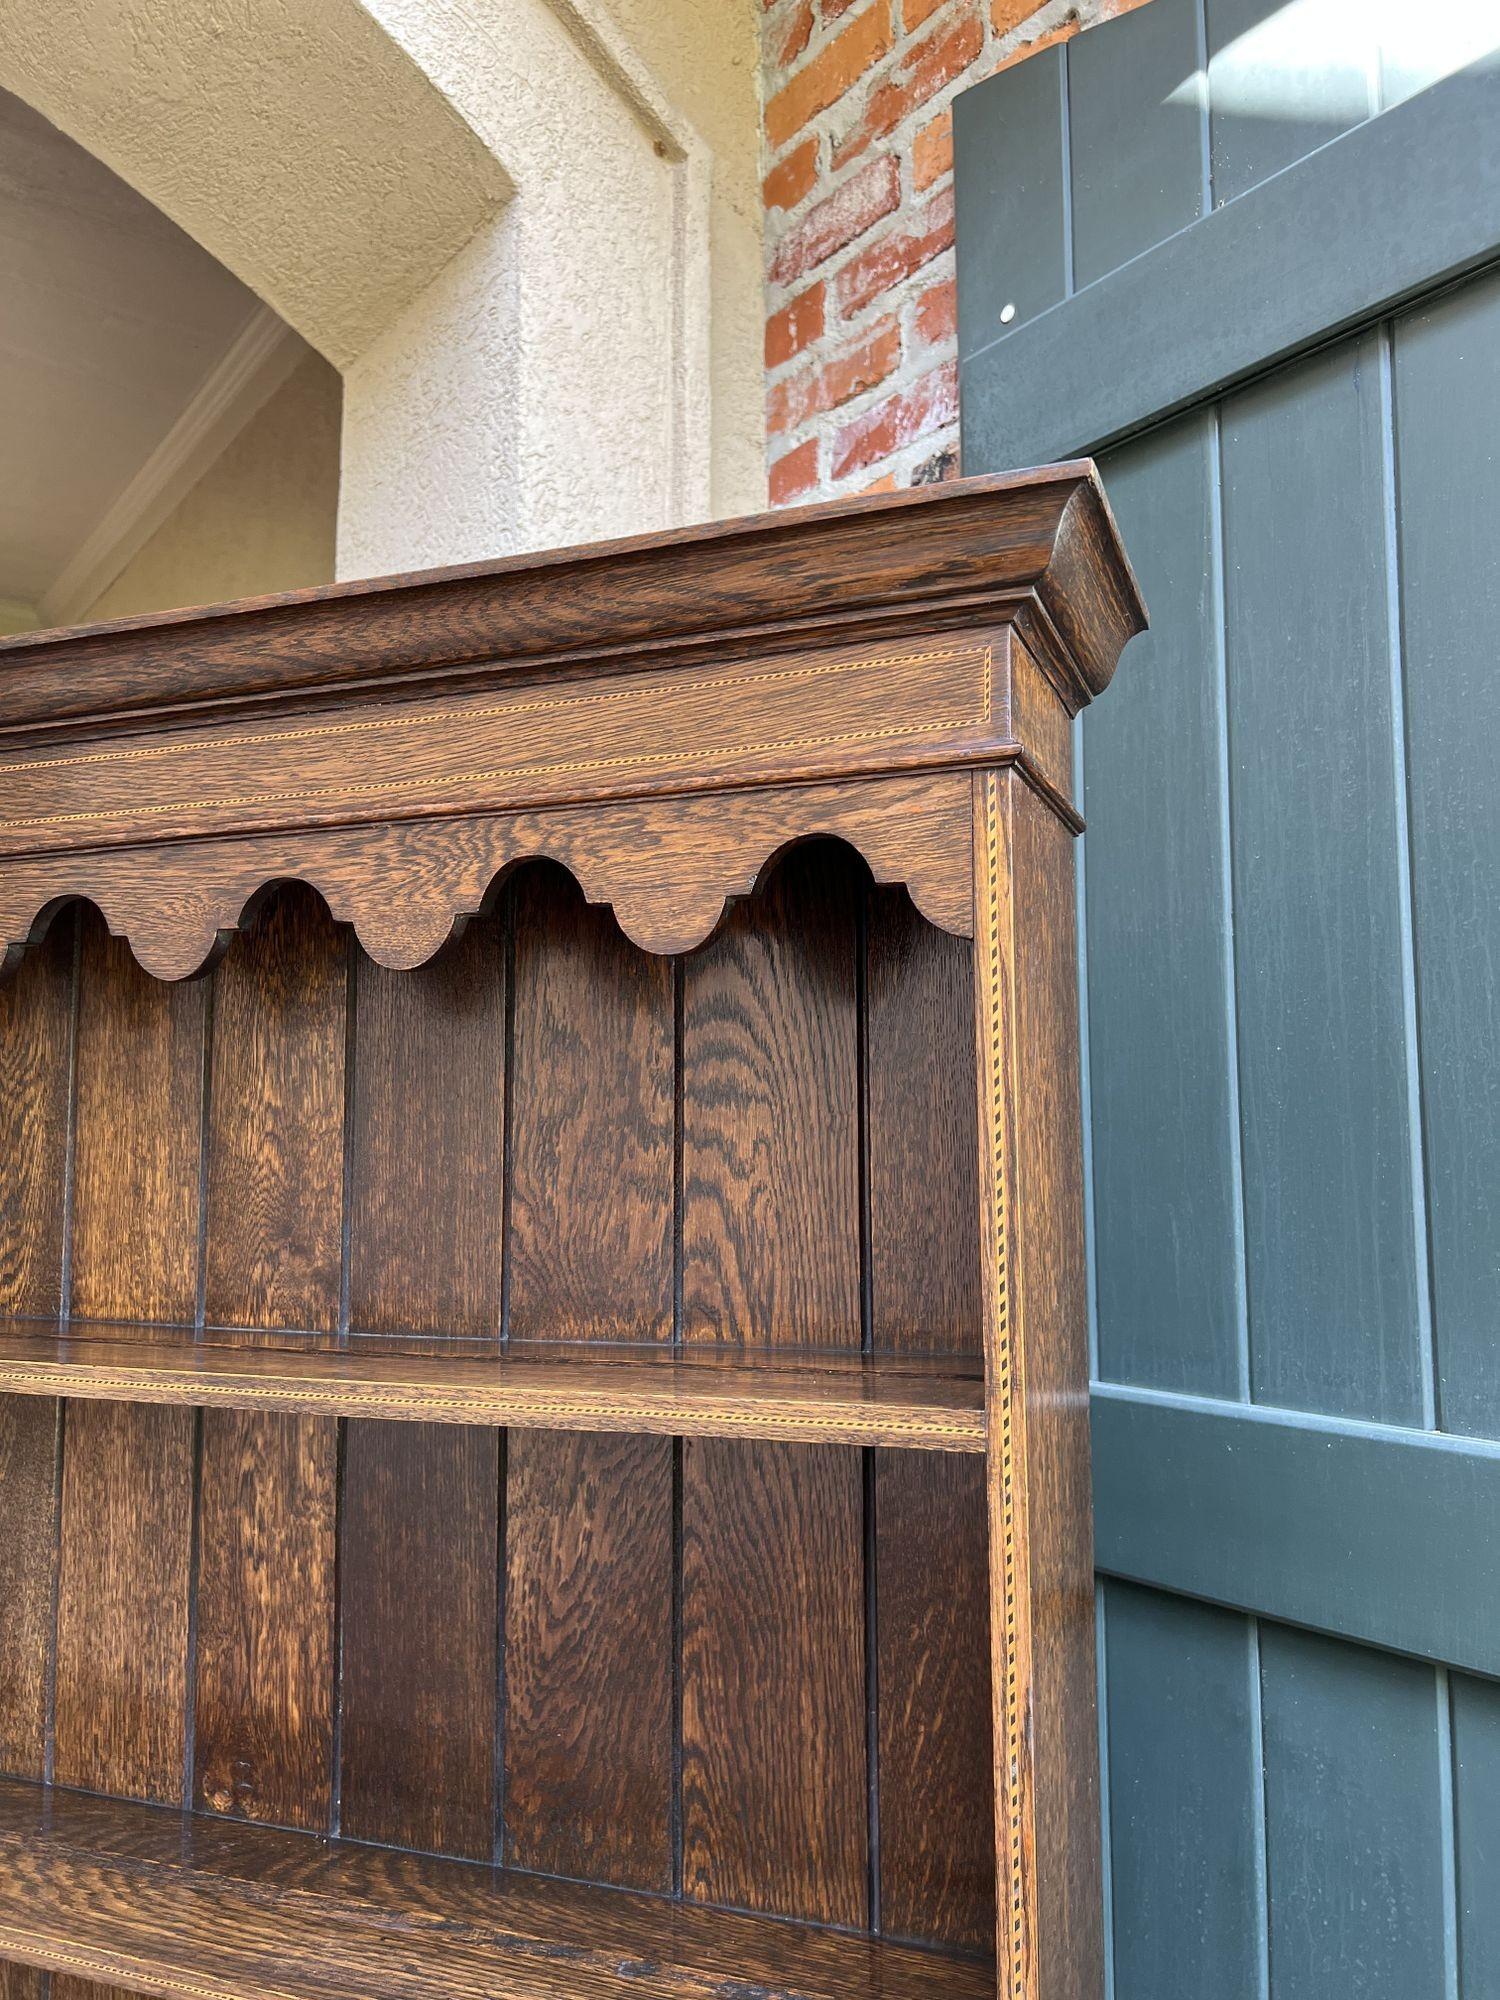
(113, 326)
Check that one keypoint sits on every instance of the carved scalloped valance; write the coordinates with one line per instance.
(661, 716)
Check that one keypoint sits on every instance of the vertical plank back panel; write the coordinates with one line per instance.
(774, 1762)
(591, 1169)
(773, 1695)
(128, 1470)
(934, 1773)
(588, 1713)
(122, 1618)
(420, 1531)
(268, 1490)
(35, 1031)
(140, 1095)
(770, 1137)
(589, 1578)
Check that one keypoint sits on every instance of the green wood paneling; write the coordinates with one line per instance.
(1355, 1822)
(1329, 1232)
(1447, 392)
(1282, 80)
(1165, 1199)
(1183, 1790)
(1476, 1760)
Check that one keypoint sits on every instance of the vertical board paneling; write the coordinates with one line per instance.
(420, 1532)
(429, 1097)
(1184, 1774)
(1135, 138)
(19, 1982)
(590, 1243)
(420, 1579)
(588, 1663)
(1476, 1786)
(773, 1696)
(589, 1530)
(936, 1763)
(28, 1548)
(126, 1528)
(1012, 192)
(1330, 1245)
(267, 1497)
(122, 1615)
(923, 1137)
(1281, 81)
(1447, 370)
(774, 1807)
(1354, 1821)
(770, 1136)
(934, 1771)
(1161, 1055)
(35, 1029)
(140, 1094)
(276, 1122)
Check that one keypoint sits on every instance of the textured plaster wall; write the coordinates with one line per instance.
(498, 218)
(262, 518)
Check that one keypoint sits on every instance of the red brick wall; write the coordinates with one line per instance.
(861, 370)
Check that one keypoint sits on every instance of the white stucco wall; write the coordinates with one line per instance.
(521, 229)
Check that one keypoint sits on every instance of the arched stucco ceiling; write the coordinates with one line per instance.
(299, 144)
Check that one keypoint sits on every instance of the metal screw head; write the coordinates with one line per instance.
(1007, 314)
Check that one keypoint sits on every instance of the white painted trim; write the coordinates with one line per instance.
(261, 358)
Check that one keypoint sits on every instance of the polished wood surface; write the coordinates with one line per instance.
(592, 1391)
(899, 1400)
(157, 1905)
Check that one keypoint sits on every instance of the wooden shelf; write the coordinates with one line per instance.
(146, 1899)
(925, 1403)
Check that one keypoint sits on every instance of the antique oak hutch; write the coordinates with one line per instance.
(543, 1392)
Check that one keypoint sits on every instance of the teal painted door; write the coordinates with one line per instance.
(1249, 256)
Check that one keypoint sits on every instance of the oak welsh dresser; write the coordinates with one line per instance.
(543, 1392)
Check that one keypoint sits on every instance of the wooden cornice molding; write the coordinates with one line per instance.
(966, 553)
(662, 716)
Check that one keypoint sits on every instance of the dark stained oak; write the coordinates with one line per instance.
(588, 1657)
(420, 1580)
(937, 1795)
(770, 1123)
(773, 1686)
(481, 1390)
(263, 1713)
(122, 1613)
(172, 1907)
(29, 1436)
(590, 1243)
(35, 1033)
(263, 1708)
(906, 1401)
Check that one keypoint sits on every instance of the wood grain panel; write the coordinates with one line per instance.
(429, 1093)
(420, 1544)
(264, 1707)
(420, 1577)
(140, 1091)
(770, 1115)
(923, 1135)
(28, 1550)
(21, 1982)
(936, 1790)
(588, 1663)
(773, 1682)
(35, 1029)
(122, 1619)
(265, 1687)
(590, 1243)
(276, 1122)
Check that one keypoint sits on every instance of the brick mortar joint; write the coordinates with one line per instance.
(890, 262)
